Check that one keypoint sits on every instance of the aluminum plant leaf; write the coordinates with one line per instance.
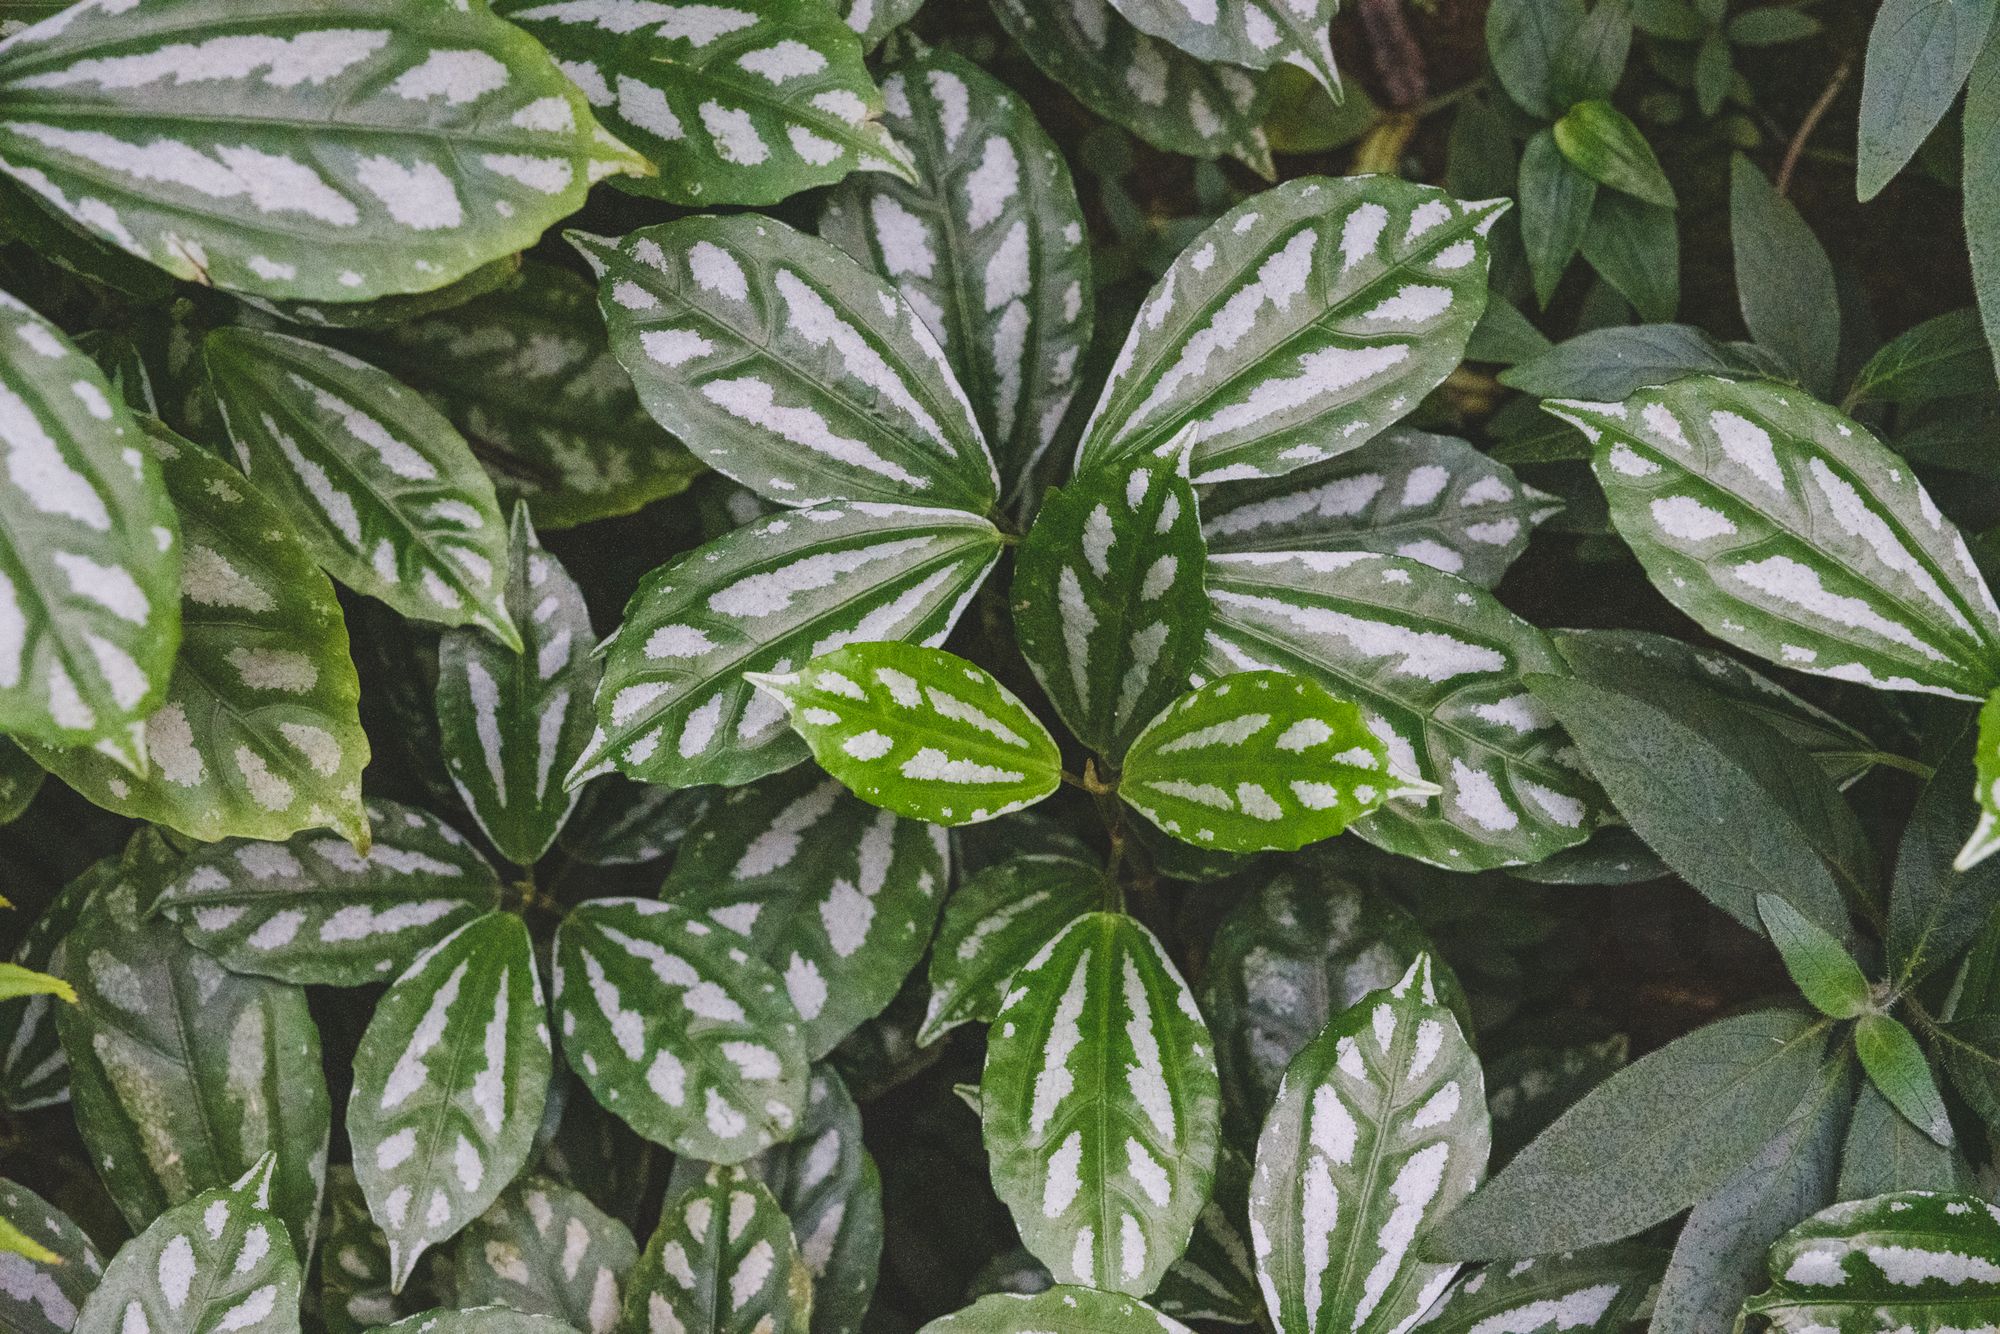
(1108, 598)
(89, 551)
(513, 723)
(1073, 1310)
(1100, 1104)
(478, 1320)
(1984, 839)
(449, 1084)
(1913, 1260)
(354, 1293)
(1787, 530)
(545, 1249)
(312, 154)
(681, 1032)
(1299, 325)
(1436, 665)
(313, 910)
(745, 103)
(259, 735)
(33, 1070)
(386, 491)
(872, 20)
(42, 1295)
(1256, 33)
(1432, 498)
(994, 923)
(1216, 1278)
(919, 731)
(987, 246)
(784, 364)
(838, 897)
(723, 1261)
(623, 823)
(1602, 1290)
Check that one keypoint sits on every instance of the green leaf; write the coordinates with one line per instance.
(1529, 1087)
(839, 898)
(1714, 72)
(1073, 1310)
(89, 549)
(1646, 1143)
(1981, 121)
(20, 781)
(1604, 144)
(1108, 600)
(449, 1082)
(1437, 667)
(545, 1249)
(1301, 323)
(16, 982)
(744, 104)
(33, 1071)
(1789, 531)
(1774, 25)
(1824, 971)
(987, 247)
(1936, 909)
(1556, 203)
(389, 147)
(919, 731)
(1524, 38)
(354, 1293)
(1897, 1067)
(1635, 246)
(1602, 1290)
(994, 923)
(1432, 498)
(1618, 362)
(1099, 1104)
(1256, 33)
(1379, 1130)
(1944, 357)
(623, 823)
(1215, 1278)
(1911, 1260)
(1784, 280)
(1591, 58)
(387, 494)
(873, 20)
(787, 366)
(723, 1261)
(1885, 1153)
(1919, 54)
(41, 1294)
(480, 1320)
(689, 1039)
(1984, 839)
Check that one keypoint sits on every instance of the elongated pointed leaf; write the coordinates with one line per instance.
(1984, 839)
(449, 1083)
(1598, 1291)
(388, 496)
(1302, 323)
(390, 146)
(677, 1029)
(674, 706)
(1912, 1260)
(1074, 1310)
(723, 1261)
(1257, 33)
(478, 1320)
(1099, 1103)
(545, 1249)
(994, 923)
(1885, 1153)
(42, 1295)
(1825, 973)
(1897, 1067)
(33, 1070)
(354, 1293)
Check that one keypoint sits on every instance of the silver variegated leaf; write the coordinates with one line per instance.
(354, 1293)
(838, 897)
(723, 1261)
(993, 924)
(545, 1249)
(33, 1070)
(1602, 1290)
(1432, 498)
(987, 246)
(1100, 1106)
(1379, 1129)
(872, 20)
(1913, 1260)
(449, 1084)
(1984, 839)
(1257, 33)
(678, 1029)
(386, 491)
(313, 910)
(674, 706)
(334, 155)
(1787, 530)
(1073, 1310)
(39, 1296)
(623, 823)
(1216, 1277)
(478, 1320)
(1436, 665)
(1298, 326)
(784, 364)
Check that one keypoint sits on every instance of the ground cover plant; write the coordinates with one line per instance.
(803, 666)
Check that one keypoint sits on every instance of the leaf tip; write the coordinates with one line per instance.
(1985, 841)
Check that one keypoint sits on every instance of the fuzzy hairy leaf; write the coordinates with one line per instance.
(994, 923)
(1883, 1152)
(1825, 972)
(1919, 54)
(33, 1070)
(723, 1261)
(1898, 1068)
(354, 1293)
(1936, 909)
(42, 1294)
(1597, 1291)
(1784, 280)
(1912, 1260)
(545, 1249)
(1074, 1310)
(1256, 33)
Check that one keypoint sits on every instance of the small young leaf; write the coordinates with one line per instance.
(1073, 1310)
(545, 1249)
(1897, 1067)
(623, 823)
(1919, 53)
(722, 1261)
(1590, 59)
(40, 1294)
(1912, 1260)
(1255, 33)
(994, 923)
(1784, 280)
(1603, 143)
(1825, 972)
(1602, 1290)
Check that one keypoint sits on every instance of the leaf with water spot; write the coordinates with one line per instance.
(678, 1029)
(994, 922)
(723, 1261)
(42, 1294)
(1100, 1106)
(33, 1070)
(1073, 1310)
(919, 731)
(354, 1294)
(545, 1249)
(449, 1084)
(1299, 325)
(1911, 1260)
(1602, 1290)
(310, 154)
(1255, 33)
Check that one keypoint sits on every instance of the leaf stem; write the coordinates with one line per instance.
(1890, 760)
(1811, 122)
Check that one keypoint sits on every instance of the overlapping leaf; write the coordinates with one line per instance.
(1216, 1277)
(1598, 1291)
(354, 1275)
(623, 823)
(995, 922)
(1911, 1260)
(723, 1261)
(33, 1070)
(42, 1295)
(545, 1249)
(1984, 840)
(478, 1320)
(1074, 1310)
(872, 20)
(1257, 33)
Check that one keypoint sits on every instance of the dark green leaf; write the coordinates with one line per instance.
(1597, 1291)
(1591, 57)
(1919, 53)
(1935, 909)
(1556, 199)
(1981, 176)
(1524, 39)
(1784, 280)
(545, 1249)
(41, 1295)
(1885, 1153)
(994, 923)
(1635, 246)
(723, 1261)
(1613, 364)
(1944, 357)
(1072, 1310)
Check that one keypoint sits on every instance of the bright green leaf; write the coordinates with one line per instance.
(1896, 1066)
(1984, 840)
(1824, 971)
(1602, 142)
(873, 20)
(1913, 1260)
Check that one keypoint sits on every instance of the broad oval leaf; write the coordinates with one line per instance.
(354, 1293)
(449, 1082)
(545, 1249)
(1073, 1310)
(674, 706)
(1302, 323)
(40, 1295)
(723, 1261)
(1436, 665)
(388, 146)
(1257, 33)
(1598, 1291)
(1379, 1130)
(1100, 1104)
(787, 366)
(33, 1070)
(681, 1032)
(1912, 1260)
(837, 897)
(478, 1320)
(1788, 531)
(920, 732)
(994, 923)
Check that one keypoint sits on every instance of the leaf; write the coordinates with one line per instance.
(1524, 39)
(33, 1070)
(392, 150)
(1885, 1153)
(1556, 203)
(16, 982)
(1074, 1310)
(873, 20)
(1108, 601)
(1784, 280)
(480, 1320)
(994, 923)
(1379, 1130)
(448, 1086)
(1912, 1259)
(1591, 58)
(744, 104)
(41, 1294)
(724, 1240)
(1944, 357)
(1431, 498)
(1604, 144)
(1646, 1143)
(1437, 667)
(681, 1033)
(1215, 1278)
(1897, 1068)
(354, 1293)
(623, 823)
(1635, 246)
(919, 731)
(1300, 324)
(1602, 1290)
(1773, 25)
(1256, 33)
(20, 782)
(988, 247)
(674, 706)
(1616, 363)
(785, 365)
(218, 1262)
(388, 497)
(545, 1249)
(1825, 973)
(89, 547)
(1981, 129)
(1846, 568)
(313, 910)
(1984, 838)
(837, 897)
(1529, 1087)
(1919, 53)
(1935, 909)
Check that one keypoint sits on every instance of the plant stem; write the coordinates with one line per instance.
(1811, 122)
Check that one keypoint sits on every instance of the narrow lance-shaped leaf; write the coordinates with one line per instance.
(1598, 1291)
(1784, 279)
(1897, 1067)
(478, 1320)
(1074, 1310)
(723, 1261)
(1912, 1260)
(996, 921)
(1919, 54)
(1883, 1152)
(1825, 972)
(1257, 33)
(545, 1249)
(42, 1294)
